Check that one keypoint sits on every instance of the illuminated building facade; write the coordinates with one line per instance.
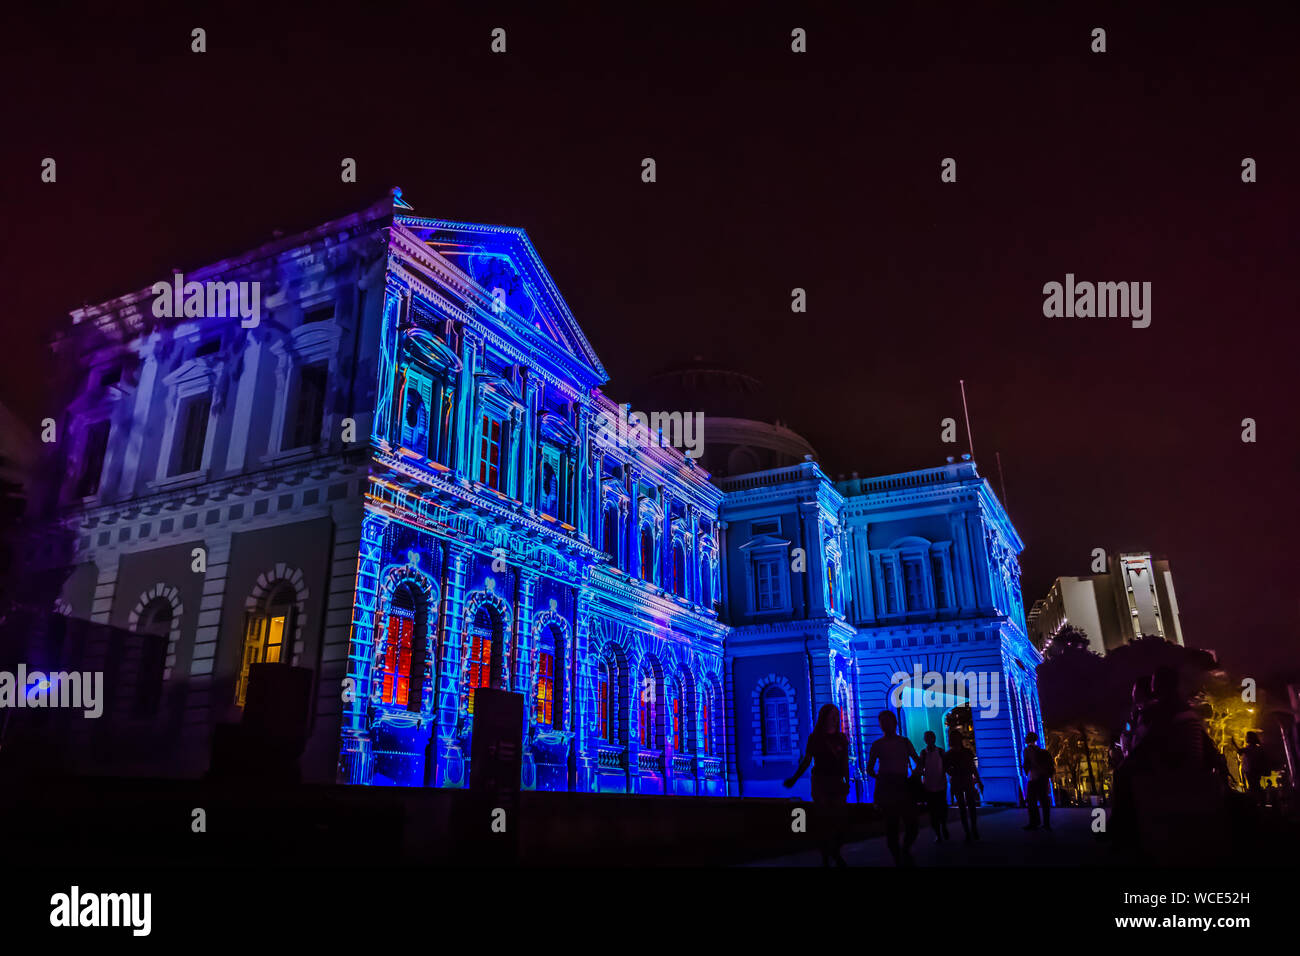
(1134, 598)
(856, 593)
(392, 477)
(397, 477)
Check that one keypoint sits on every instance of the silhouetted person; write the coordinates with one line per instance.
(965, 778)
(934, 784)
(893, 798)
(828, 751)
(1142, 698)
(1038, 766)
(1254, 765)
(1179, 781)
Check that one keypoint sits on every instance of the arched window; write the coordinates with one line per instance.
(776, 721)
(611, 534)
(647, 553)
(550, 675)
(706, 584)
(483, 638)
(265, 635)
(154, 628)
(648, 710)
(679, 570)
(404, 652)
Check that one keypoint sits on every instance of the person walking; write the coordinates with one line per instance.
(1254, 765)
(934, 784)
(889, 765)
(828, 752)
(965, 777)
(1038, 765)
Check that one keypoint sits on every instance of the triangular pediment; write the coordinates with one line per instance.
(502, 261)
(761, 541)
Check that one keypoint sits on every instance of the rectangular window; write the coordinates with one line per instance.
(940, 582)
(602, 702)
(415, 414)
(769, 526)
(397, 660)
(707, 726)
(263, 643)
(648, 718)
(480, 667)
(549, 493)
(489, 458)
(776, 725)
(303, 426)
(153, 665)
(191, 434)
(92, 460)
(545, 689)
(914, 584)
(440, 424)
(769, 583)
(890, 587)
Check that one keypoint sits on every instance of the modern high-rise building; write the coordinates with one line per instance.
(1134, 598)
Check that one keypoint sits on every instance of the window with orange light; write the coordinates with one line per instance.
(480, 654)
(396, 668)
(602, 702)
(677, 721)
(545, 688)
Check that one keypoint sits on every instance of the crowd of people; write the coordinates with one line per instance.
(1171, 800)
(904, 780)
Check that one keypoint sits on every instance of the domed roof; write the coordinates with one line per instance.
(743, 430)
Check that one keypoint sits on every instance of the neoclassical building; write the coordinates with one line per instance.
(399, 476)
(861, 592)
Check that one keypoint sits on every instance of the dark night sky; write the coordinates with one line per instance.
(775, 170)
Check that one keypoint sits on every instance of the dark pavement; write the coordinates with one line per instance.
(1002, 842)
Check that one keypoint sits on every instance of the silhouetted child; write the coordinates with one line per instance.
(828, 751)
(893, 798)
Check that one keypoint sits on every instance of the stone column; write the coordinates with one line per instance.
(525, 589)
(466, 427)
(815, 580)
(528, 455)
(387, 372)
(581, 489)
(582, 758)
(356, 756)
(138, 428)
(450, 641)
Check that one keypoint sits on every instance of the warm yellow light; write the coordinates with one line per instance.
(275, 635)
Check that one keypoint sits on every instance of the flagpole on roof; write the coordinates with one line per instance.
(970, 439)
